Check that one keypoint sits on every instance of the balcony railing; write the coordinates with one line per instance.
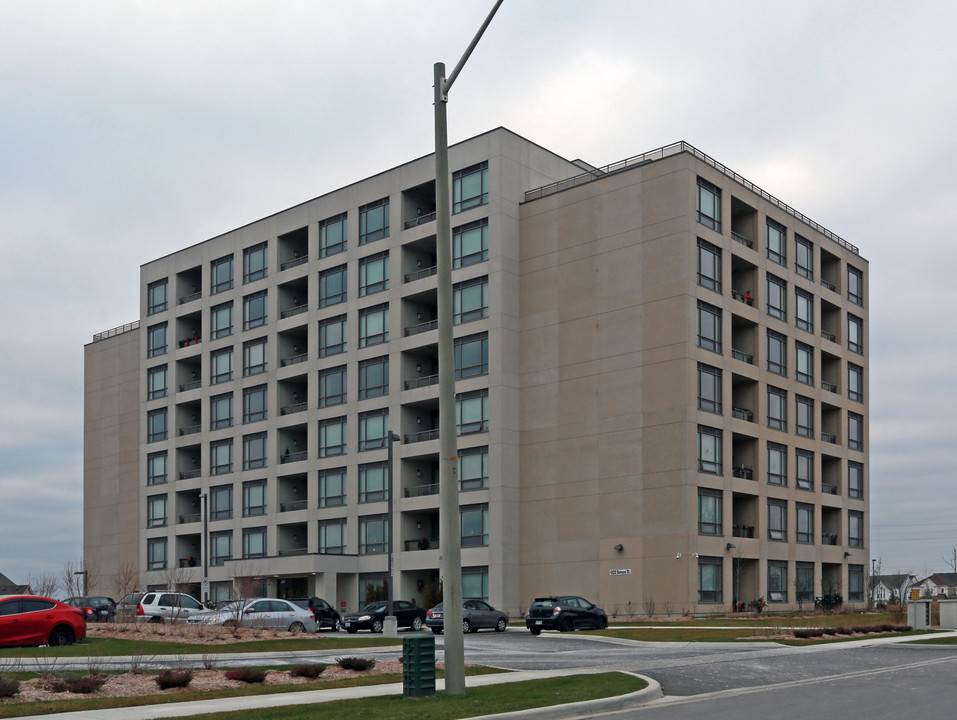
(188, 562)
(191, 518)
(189, 298)
(193, 340)
(741, 239)
(744, 297)
(190, 429)
(293, 311)
(116, 331)
(742, 356)
(828, 336)
(294, 505)
(190, 474)
(422, 436)
(422, 490)
(423, 273)
(294, 262)
(829, 437)
(828, 285)
(743, 531)
(294, 408)
(828, 489)
(421, 327)
(829, 539)
(742, 414)
(191, 385)
(293, 457)
(293, 359)
(424, 381)
(419, 220)
(743, 472)
(294, 551)
(421, 544)
(830, 387)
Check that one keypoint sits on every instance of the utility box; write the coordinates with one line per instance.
(948, 614)
(918, 614)
(418, 665)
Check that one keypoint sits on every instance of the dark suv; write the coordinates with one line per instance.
(325, 614)
(564, 613)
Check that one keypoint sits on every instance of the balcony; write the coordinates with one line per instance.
(744, 297)
(745, 473)
(828, 489)
(189, 474)
(302, 259)
(293, 408)
(421, 327)
(741, 239)
(288, 552)
(189, 298)
(191, 518)
(419, 220)
(742, 356)
(422, 436)
(294, 505)
(293, 311)
(422, 273)
(742, 414)
(419, 382)
(420, 544)
(743, 531)
(289, 457)
(828, 539)
(422, 490)
(190, 429)
(293, 359)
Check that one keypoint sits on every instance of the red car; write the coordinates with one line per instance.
(32, 620)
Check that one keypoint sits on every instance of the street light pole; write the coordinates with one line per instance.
(449, 522)
(391, 625)
(204, 547)
(85, 577)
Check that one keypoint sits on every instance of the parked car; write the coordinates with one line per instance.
(324, 613)
(34, 620)
(259, 613)
(95, 608)
(476, 614)
(372, 616)
(158, 607)
(564, 613)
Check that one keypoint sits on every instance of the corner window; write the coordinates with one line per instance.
(709, 205)
(777, 409)
(332, 487)
(332, 536)
(804, 514)
(855, 583)
(374, 221)
(855, 431)
(777, 581)
(777, 242)
(471, 356)
(470, 301)
(710, 582)
(804, 473)
(709, 266)
(471, 411)
(254, 498)
(709, 327)
(709, 512)
(374, 377)
(254, 357)
(221, 320)
(221, 274)
(855, 382)
(470, 244)
(254, 263)
(777, 464)
(373, 482)
(156, 340)
(332, 336)
(373, 429)
(777, 297)
(855, 528)
(157, 382)
(254, 451)
(333, 286)
(709, 450)
(221, 457)
(855, 479)
(470, 187)
(332, 437)
(855, 334)
(473, 468)
(777, 353)
(474, 520)
(254, 310)
(156, 425)
(332, 386)
(855, 285)
(803, 257)
(374, 325)
(777, 520)
(709, 388)
(332, 235)
(254, 404)
(157, 296)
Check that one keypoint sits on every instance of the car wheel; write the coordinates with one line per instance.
(297, 627)
(376, 626)
(603, 624)
(62, 635)
(567, 625)
(501, 625)
(156, 619)
(417, 623)
(352, 631)
(437, 631)
(466, 626)
(535, 630)
(336, 625)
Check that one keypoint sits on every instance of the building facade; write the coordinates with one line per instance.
(660, 393)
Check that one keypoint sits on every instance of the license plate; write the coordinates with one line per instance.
(538, 622)
(347, 623)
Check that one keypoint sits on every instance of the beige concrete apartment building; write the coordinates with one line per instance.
(661, 393)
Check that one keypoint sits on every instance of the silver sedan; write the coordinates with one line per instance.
(258, 613)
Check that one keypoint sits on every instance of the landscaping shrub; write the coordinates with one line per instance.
(307, 671)
(174, 679)
(809, 633)
(9, 688)
(54, 685)
(86, 684)
(844, 631)
(355, 663)
(247, 675)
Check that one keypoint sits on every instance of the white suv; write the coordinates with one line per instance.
(160, 607)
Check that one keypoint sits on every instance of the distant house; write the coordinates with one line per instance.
(939, 585)
(8, 587)
(889, 588)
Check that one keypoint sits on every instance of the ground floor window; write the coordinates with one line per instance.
(475, 583)
(710, 581)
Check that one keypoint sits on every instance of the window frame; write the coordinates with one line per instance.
(216, 555)
(333, 486)
(777, 408)
(337, 228)
(777, 581)
(157, 340)
(468, 479)
(339, 340)
(371, 423)
(463, 238)
(251, 551)
(462, 350)
(324, 536)
(366, 316)
(218, 420)
(221, 275)
(804, 469)
(855, 431)
(153, 476)
(710, 467)
(378, 211)
(470, 300)
(326, 385)
(377, 385)
(255, 415)
(221, 465)
(709, 320)
(378, 266)
(804, 518)
(803, 310)
(217, 359)
(465, 404)
(334, 429)
(157, 382)
(461, 183)
(855, 479)
(710, 580)
(855, 390)
(218, 511)
(333, 286)
(709, 266)
(157, 425)
(156, 560)
(221, 320)
(777, 460)
(255, 356)
(255, 262)
(855, 334)
(803, 416)
(805, 377)
(777, 520)
(255, 498)
(777, 289)
(374, 482)
(710, 511)
(855, 528)
(709, 388)
(255, 451)
(157, 511)
(855, 289)
(467, 517)
(776, 242)
(157, 302)
(777, 351)
(255, 310)
(709, 205)
(377, 546)
(803, 257)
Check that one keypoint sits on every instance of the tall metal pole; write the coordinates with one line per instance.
(205, 548)
(390, 620)
(450, 540)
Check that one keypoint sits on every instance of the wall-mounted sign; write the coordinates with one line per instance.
(625, 571)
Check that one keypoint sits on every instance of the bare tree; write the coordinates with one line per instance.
(45, 584)
(125, 579)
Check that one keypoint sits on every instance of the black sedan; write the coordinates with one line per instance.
(476, 614)
(95, 609)
(372, 616)
(325, 614)
(564, 613)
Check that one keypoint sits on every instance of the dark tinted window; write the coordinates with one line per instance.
(148, 598)
(35, 605)
(168, 600)
(10, 607)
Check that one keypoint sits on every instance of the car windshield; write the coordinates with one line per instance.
(99, 602)
(373, 607)
(233, 606)
(544, 602)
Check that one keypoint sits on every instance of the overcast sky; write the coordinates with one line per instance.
(133, 129)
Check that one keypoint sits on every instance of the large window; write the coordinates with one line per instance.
(474, 526)
(855, 479)
(332, 336)
(709, 266)
(157, 468)
(221, 411)
(709, 512)
(156, 340)
(777, 353)
(157, 296)
(470, 244)
(221, 502)
(373, 429)
(777, 242)
(804, 581)
(157, 385)
(471, 412)
(254, 498)
(777, 520)
(254, 310)
(804, 361)
(221, 366)
(156, 554)
(804, 310)
(709, 327)
(254, 451)
(803, 257)
(709, 388)
(221, 274)
(473, 468)
(220, 547)
(709, 205)
(254, 262)
(333, 286)
(855, 285)
(709, 450)
(221, 320)
(332, 235)
(254, 404)
(332, 536)
(254, 357)
(221, 457)
(374, 377)
(373, 482)
(374, 325)
(777, 581)
(805, 523)
(373, 534)
(470, 187)
(471, 356)
(855, 583)
(804, 470)
(157, 425)
(777, 409)
(855, 431)
(332, 487)
(332, 437)
(804, 416)
(374, 221)
(374, 274)
(855, 528)
(855, 334)
(710, 580)
(777, 297)
(475, 582)
(777, 464)
(332, 386)
(156, 511)
(470, 300)
(254, 543)
(855, 382)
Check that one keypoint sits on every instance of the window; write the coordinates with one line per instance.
(156, 340)
(804, 310)
(332, 437)
(709, 266)
(254, 263)
(332, 536)
(254, 404)
(221, 457)
(470, 244)
(156, 382)
(374, 377)
(221, 320)
(709, 205)
(855, 431)
(373, 534)
(254, 310)
(254, 357)
(855, 382)
(474, 525)
(471, 356)
(221, 411)
(855, 285)
(254, 451)
(221, 275)
(777, 581)
(332, 235)
(332, 386)
(156, 554)
(777, 242)
(475, 583)
(374, 325)
(220, 366)
(855, 583)
(777, 464)
(709, 450)
(855, 334)
(709, 327)
(332, 487)
(470, 301)
(777, 520)
(803, 257)
(471, 412)
(373, 429)
(855, 528)
(709, 512)
(156, 511)
(777, 353)
(373, 482)
(374, 221)
(777, 409)
(220, 547)
(332, 336)
(709, 388)
(804, 361)
(254, 498)
(805, 522)
(254, 543)
(470, 187)
(221, 502)
(777, 297)
(157, 296)
(855, 479)
(333, 286)
(710, 580)
(157, 468)
(156, 425)
(373, 274)
(804, 472)
(804, 581)
(804, 417)
(473, 468)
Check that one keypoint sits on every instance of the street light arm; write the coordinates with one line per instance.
(446, 83)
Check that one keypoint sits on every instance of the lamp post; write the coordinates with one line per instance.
(870, 600)
(451, 539)
(391, 625)
(85, 577)
(204, 546)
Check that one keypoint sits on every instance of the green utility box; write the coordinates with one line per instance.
(418, 665)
